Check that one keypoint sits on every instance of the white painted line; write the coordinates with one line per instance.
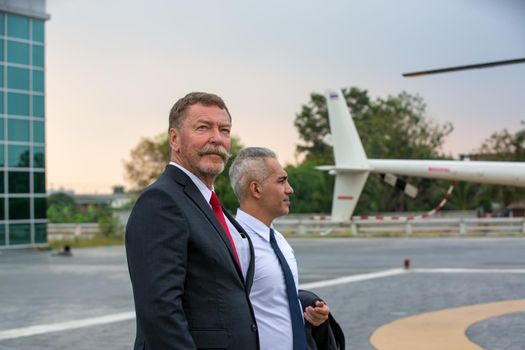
(352, 278)
(62, 326)
(124, 316)
(460, 270)
(393, 272)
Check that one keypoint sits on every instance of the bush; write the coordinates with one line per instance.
(109, 226)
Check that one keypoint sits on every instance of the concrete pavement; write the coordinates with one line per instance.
(37, 289)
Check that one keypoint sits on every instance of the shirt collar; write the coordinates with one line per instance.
(206, 192)
(255, 225)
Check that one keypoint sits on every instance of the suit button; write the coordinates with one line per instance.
(254, 328)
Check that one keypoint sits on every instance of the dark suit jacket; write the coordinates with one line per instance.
(327, 336)
(189, 291)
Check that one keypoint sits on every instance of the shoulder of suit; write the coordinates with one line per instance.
(164, 184)
(171, 175)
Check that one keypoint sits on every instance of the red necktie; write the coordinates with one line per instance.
(217, 210)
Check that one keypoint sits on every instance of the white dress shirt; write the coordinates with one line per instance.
(268, 294)
(241, 244)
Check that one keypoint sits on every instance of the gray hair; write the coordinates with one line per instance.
(249, 165)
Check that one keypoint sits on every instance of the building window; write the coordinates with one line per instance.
(39, 160)
(40, 233)
(18, 182)
(18, 26)
(17, 52)
(18, 156)
(38, 131)
(17, 78)
(2, 234)
(39, 182)
(38, 106)
(38, 80)
(19, 234)
(17, 104)
(38, 30)
(40, 208)
(19, 209)
(38, 56)
(17, 130)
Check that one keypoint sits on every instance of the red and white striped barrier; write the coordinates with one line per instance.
(411, 217)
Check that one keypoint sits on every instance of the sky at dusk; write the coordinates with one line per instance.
(114, 68)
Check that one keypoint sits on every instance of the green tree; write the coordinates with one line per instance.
(60, 208)
(109, 226)
(469, 196)
(60, 199)
(395, 127)
(501, 146)
(310, 186)
(313, 126)
(148, 160)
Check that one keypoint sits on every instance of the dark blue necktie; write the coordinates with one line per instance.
(299, 338)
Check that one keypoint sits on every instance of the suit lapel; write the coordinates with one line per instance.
(191, 190)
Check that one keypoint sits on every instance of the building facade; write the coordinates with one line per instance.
(22, 124)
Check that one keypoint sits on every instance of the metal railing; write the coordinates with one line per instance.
(427, 226)
(68, 232)
(363, 228)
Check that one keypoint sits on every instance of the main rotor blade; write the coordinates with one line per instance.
(458, 68)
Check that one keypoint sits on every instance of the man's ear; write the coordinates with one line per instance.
(174, 138)
(255, 189)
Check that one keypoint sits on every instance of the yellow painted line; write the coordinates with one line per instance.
(440, 330)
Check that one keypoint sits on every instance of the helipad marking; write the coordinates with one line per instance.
(62, 326)
(351, 278)
(124, 316)
(462, 270)
(393, 272)
(440, 330)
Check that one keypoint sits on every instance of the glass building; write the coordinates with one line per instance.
(22, 124)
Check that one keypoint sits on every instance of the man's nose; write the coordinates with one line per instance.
(216, 136)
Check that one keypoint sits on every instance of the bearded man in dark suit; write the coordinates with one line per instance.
(191, 264)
